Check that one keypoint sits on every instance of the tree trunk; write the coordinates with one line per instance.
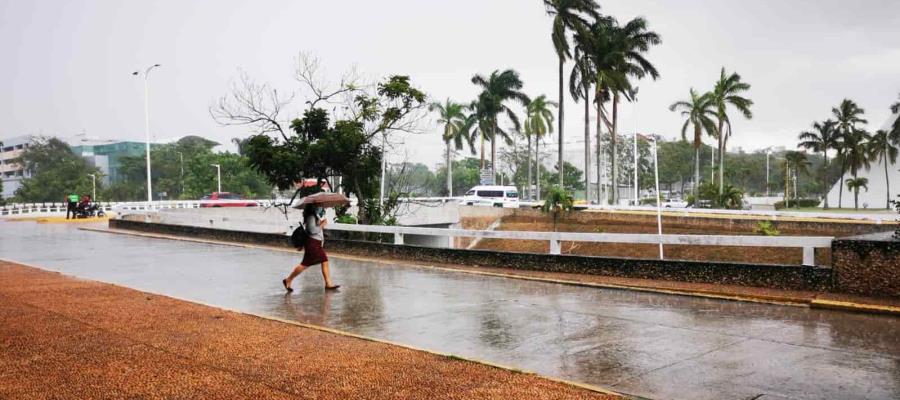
(537, 167)
(587, 145)
(841, 186)
(887, 181)
(599, 145)
(494, 152)
(614, 138)
(721, 159)
(449, 172)
(482, 153)
(528, 187)
(825, 185)
(856, 197)
(561, 122)
(696, 173)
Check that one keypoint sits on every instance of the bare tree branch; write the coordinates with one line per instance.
(253, 104)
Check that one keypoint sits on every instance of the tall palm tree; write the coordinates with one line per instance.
(822, 138)
(580, 83)
(855, 146)
(795, 162)
(884, 146)
(847, 115)
(568, 16)
(453, 117)
(538, 123)
(496, 90)
(699, 111)
(728, 92)
(855, 184)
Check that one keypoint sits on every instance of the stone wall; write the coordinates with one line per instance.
(867, 265)
(770, 276)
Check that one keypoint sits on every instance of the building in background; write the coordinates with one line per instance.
(105, 154)
(10, 172)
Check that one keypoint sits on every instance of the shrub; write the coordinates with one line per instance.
(345, 219)
(794, 203)
(766, 228)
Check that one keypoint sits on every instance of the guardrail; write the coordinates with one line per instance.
(807, 243)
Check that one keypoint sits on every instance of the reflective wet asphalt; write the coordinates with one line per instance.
(644, 344)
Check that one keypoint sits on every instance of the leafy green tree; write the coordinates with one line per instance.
(456, 130)
(557, 200)
(55, 172)
(698, 112)
(568, 16)
(822, 138)
(538, 123)
(572, 177)
(466, 175)
(728, 92)
(496, 91)
(854, 184)
(884, 146)
(675, 162)
(847, 115)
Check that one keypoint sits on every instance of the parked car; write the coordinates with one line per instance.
(675, 203)
(226, 199)
(492, 196)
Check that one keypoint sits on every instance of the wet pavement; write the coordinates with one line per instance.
(651, 345)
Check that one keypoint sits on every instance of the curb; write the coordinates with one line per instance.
(592, 388)
(794, 302)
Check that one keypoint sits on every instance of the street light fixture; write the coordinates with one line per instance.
(218, 177)
(146, 75)
(94, 184)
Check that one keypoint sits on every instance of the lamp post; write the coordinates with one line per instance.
(94, 184)
(218, 177)
(146, 75)
(768, 153)
(181, 159)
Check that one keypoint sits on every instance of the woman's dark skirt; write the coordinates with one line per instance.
(313, 253)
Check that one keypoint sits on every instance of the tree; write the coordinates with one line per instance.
(727, 92)
(795, 163)
(572, 177)
(855, 184)
(558, 200)
(855, 147)
(55, 172)
(822, 138)
(456, 130)
(847, 115)
(580, 84)
(698, 111)
(538, 123)
(884, 146)
(496, 90)
(568, 16)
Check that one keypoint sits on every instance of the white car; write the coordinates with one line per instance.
(492, 196)
(675, 203)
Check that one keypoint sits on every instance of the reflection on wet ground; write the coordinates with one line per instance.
(652, 345)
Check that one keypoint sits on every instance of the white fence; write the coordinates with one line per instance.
(807, 243)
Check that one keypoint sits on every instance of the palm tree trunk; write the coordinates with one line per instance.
(449, 172)
(482, 153)
(537, 167)
(528, 187)
(825, 185)
(494, 151)
(841, 187)
(599, 145)
(887, 181)
(615, 139)
(587, 144)
(796, 185)
(561, 121)
(696, 172)
(721, 159)
(856, 198)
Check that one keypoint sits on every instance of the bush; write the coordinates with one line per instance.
(345, 219)
(765, 228)
(708, 193)
(794, 203)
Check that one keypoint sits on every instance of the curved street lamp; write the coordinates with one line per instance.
(145, 75)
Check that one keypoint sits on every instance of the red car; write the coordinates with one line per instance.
(225, 199)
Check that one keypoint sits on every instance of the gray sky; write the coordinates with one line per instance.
(67, 64)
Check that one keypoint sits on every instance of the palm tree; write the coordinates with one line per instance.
(795, 162)
(498, 89)
(822, 138)
(568, 16)
(854, 184)
(727, 92)
(538, 123)
(699, 111)
(846, 115)
(580, 84)
(453, 117)
(855, 146)
(884, 146)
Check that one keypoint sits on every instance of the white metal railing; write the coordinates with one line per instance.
(807, 243)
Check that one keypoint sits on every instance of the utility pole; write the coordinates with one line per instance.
(146, 75)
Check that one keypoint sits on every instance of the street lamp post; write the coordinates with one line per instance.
(768, 153)
(218, 177)
(146, 75)
(94, 184)
(181, 159)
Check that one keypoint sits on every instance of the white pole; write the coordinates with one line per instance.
(147, 127)
(658, 200)
(94, 184)
(218, 177)
(636, 194)
(767, 172)
(383, 169)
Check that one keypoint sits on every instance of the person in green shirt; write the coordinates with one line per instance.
(71, 203)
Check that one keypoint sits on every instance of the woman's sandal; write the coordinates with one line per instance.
(286, 287)
(335, 287)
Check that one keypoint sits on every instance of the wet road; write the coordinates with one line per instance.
(651, 345)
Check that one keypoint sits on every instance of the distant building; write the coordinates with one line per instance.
(105, 155)
(10, 172)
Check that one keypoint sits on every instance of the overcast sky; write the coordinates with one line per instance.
(66, 64)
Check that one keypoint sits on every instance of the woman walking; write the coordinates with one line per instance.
(314, 220)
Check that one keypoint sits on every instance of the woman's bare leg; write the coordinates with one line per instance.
(327, 275)
(297, 270)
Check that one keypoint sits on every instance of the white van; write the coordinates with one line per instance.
(492, 196)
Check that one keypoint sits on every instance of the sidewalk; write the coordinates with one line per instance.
(61, 337)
